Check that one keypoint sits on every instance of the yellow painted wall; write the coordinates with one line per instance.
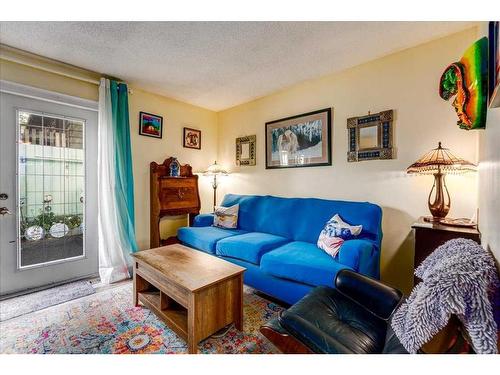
(406, 82)
(175, 115)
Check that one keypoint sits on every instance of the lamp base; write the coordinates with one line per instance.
(430, 219)
(440, 206)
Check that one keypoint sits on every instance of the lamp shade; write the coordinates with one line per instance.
(215, 170)
(440, 160)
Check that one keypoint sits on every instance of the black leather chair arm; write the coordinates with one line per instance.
(378, 298)
(275, 325)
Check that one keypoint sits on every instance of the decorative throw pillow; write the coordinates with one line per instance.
(335, 232)
(226, 217)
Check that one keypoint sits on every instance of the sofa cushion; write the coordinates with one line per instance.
(205, 238)
(303, 262)
(249, 246)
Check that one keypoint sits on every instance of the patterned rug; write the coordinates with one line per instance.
(28, 303)
(107, 322)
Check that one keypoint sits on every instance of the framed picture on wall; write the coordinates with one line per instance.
(150, 125)
(370, 137)
(494, 64)
(300, 141)
(246, 150)
(192, 138)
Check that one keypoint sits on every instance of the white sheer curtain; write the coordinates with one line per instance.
(114, 261)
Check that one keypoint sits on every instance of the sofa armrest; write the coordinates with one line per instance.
(378, 298)
(203, 220)
(361, 255)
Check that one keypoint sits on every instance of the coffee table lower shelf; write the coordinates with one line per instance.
(174, 315)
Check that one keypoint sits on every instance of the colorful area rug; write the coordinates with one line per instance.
(17, 306)
(107, 322)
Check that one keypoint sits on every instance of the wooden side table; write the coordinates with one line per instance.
(430, 235)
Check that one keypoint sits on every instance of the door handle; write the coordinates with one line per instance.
(5, 211)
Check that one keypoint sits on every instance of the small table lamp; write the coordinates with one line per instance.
(439, 162)
(215, 170)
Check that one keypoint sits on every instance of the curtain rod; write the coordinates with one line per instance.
(49, 65)
(52, 66)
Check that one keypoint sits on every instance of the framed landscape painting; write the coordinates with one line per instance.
(150, 125)
(299, 141)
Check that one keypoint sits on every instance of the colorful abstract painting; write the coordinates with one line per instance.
(467, 81)
(150, 125)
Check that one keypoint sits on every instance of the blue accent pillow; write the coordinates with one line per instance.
(335, 232)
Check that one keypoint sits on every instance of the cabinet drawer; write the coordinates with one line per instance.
(175, 182)
(178, 193)
(182, 197)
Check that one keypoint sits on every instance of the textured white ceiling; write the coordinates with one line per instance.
(218, 65)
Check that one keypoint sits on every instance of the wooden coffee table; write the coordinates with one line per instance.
(194, 293)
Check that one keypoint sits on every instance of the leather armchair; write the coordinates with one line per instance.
(353, 317)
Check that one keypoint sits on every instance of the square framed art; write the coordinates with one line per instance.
(192, 138)
(300, 141)
(150, 125)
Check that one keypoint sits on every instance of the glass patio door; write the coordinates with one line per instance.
(51, 180)
(48, 190)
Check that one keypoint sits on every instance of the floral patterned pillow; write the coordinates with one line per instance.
(226, 217)
(335, 232)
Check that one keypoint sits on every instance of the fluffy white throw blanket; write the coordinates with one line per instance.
(458, 278)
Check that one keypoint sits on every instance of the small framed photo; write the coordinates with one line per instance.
(192, 138)
(150, 125)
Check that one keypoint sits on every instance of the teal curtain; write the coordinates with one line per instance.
(124, 187)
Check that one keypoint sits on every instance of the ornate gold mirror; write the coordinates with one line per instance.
(370, 137)
(245, 150)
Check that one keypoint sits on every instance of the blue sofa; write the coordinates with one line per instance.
(276, 242)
